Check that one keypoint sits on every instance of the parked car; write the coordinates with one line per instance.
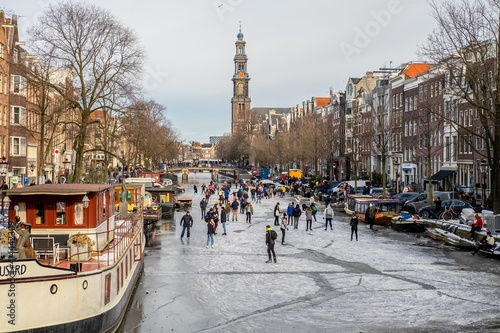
(404, 197)
(413, 206)
(456, 205)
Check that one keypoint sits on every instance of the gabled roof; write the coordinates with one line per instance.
(322, 101)
(414, 69)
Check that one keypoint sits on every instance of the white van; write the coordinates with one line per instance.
(341, 185)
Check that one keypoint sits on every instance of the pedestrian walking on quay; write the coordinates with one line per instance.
(271, 236)
(234, 207)
(289, 212)
(328, 215)
(249, 212)
(309, 218)
(296, 212)
(223, 219)
(277, 214)
(284, 227)
(210, 232)
(203, 206)
(354, 226)
(186, 223)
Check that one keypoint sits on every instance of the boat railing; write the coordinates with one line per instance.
(117, 241)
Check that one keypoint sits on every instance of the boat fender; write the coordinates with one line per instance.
(155, 207)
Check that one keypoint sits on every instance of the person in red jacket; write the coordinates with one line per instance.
(476, 226)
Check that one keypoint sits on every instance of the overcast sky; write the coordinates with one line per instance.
(297, 49)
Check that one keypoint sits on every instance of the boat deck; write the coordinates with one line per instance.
(124, 234)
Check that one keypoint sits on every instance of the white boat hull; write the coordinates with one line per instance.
(50, 299)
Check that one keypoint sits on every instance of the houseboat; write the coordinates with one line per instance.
(350, 204)
(386, 209)
(135, 195)
(164, 197)
(79, 267)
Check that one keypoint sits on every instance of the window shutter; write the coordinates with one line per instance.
(12, 115)
(22, 147)
(22, 88)
(11, 145)
(22, 117)
(12, 84)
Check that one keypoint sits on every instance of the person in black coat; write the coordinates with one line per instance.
(354, 226)
(203, 206)
(270, 244)
(186, 223)
(277, 214)
(223, 219)
(210, 232)
(296, 212)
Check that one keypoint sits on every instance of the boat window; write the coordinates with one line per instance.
(107, 288)
(61, 213)
(22, 212)
(78, 213)
(118, 280)
(129, 196)
(40, 213)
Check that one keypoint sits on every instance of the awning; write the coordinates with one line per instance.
(442, 174)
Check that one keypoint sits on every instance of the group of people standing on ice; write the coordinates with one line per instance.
(229, 204)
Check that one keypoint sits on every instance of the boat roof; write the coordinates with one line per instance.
(59, 189)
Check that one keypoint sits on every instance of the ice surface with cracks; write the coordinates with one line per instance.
(323, 282)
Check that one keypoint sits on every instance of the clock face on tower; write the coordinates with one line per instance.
(241, 74)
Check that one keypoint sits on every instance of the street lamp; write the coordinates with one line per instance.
(395, 163)
(4, 167)
(66, 168)
(484, 170)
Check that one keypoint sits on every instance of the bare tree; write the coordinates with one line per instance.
(381, 128)
(101, 53)
(466, 44)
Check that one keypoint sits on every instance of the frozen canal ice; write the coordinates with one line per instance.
(323, 282)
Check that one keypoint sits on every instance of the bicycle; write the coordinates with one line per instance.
(448, 213)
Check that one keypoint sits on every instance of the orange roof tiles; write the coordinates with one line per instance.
(322, 101)
(414, 69)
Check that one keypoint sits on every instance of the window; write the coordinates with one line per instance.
(61, 213)
(78, 213)
(492, 81)
(118, 280)
(18, 85)
(16, 55)
(1, 81)
(447, 149)
(107, 288)
(1, 50)
(18, 115)
(17, 146)
(40, 213)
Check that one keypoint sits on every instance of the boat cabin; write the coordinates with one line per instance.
(59, 211)
(386, 209)
(135, 194)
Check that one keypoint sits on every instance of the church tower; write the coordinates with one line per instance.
(240, 116)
